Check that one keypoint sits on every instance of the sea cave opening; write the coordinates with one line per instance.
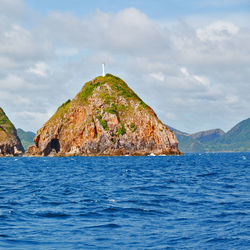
(54, 145)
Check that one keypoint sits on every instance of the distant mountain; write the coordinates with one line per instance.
(208, 135)
(236, 139)
(186, 143)
(26, 137)
(216, 140)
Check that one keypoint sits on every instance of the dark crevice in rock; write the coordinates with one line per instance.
(53, 146)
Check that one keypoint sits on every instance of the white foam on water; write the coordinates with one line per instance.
(112, 200)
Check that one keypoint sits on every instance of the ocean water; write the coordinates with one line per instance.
(195, 201)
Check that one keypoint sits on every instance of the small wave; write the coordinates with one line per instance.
(4, 236)
(216, 240)
(137, 202)
(20, 242)
(229, 186)
(216, 221)
(4, 215)
(103, 239)
(221, 215)
(53, 203)
(90, 215)
(127, 211)
(109, 225)
(53, 215)
(207, 174)
(182, 219)
(228, 203)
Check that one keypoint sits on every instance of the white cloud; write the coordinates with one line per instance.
(196, 79)
(232, 99)
(127, 31)
(217, 31)
(16, 99)
(13, 9)
(41, 69)
(203, 80)
(158, 76)
(11, 82)
(20, 47)
(15, 41)
(66, 51)
(184, 71)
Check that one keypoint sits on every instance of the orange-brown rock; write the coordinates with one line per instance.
(105, 118)
(10, 144)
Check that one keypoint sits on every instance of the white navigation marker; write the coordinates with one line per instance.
(103, 71)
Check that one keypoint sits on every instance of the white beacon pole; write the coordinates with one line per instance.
(103, 71)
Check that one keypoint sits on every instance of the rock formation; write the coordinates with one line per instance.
(10, 144)
(105, 118)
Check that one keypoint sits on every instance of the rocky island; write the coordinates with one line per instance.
(105, 118)
(10, 144)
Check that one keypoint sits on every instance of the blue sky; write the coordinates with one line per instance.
(162, 9)
(189, 60)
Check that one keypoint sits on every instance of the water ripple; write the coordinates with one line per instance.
(196, 201)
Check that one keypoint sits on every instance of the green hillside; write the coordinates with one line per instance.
(236, 139)
(10, 144)
(208, 135)
(7, 129)
(187, 144)
(26, 138)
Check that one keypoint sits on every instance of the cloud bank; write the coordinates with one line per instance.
(194, 76)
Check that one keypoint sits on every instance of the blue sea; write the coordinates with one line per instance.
(195, 201)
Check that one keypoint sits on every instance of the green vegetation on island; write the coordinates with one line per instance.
(26, 138)
(5, 125)
(105, 118)
(236, 139)
(10, 144)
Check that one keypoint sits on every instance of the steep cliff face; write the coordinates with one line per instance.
(105, 118)
(10, 144)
